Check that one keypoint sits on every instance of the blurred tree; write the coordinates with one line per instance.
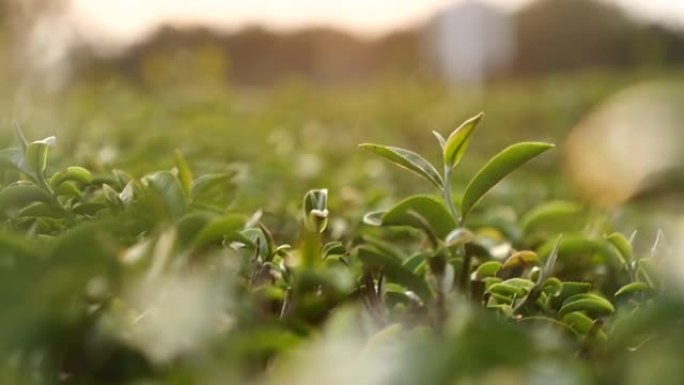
(557, 35)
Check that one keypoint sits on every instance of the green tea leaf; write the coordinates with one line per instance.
(623, 245)
(218, 230)
(374, 259)
(18, 196)
(634, 287)
(497, 168)
(577, 245)
(590, 303)
(579, 322)
(213, 189)
(168, 189)
(457, 143)
(569, 289)
(184, 173)
(15, 158)
(68, 189)
(541, 216)
(407, 159)
(36, 156)
(316, 210)
(77, 174)
(487, 269)
(429, 208)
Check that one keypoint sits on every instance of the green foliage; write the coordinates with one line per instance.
(112, 278)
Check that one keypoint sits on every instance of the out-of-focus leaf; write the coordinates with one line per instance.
(513, 286)
(487, 269)
(569, 289)
(623, 245)
(581, 324)
(168, 189)
(14, 158)
(36, 156)
(213, 189)
(18, 196)
(315, 208)
(68, 189)
(521, 258)
(407, 159)
(393, 270)
(184, 173)
(579, 245)
(427, 207)
(588, 302)
(554, 211)
(218, 230)
(634, 287)
(78, 174)
(41, 209)
(459, 236)
(497, 168)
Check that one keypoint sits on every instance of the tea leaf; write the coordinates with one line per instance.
(548, 212)
(634, 287)
(623, 245)
(184, 173)
(432, 210)
(219, 229)
(407, 159)
(169, 191)
(590, 303)
(36, 156)
(487, 269)
(457, 143)
(524, 258)
(497, 168)
(18, 196)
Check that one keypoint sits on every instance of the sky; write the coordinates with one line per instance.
(125, 21)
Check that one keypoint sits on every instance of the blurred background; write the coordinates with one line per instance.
(278, 94)
(285, 90)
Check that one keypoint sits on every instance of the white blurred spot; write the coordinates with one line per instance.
(308, 165)
(633, 136)
(173, 315)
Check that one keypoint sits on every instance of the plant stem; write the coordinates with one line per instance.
(446, 194)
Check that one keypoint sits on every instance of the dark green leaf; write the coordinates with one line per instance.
(374, 259)
(218, 230)
(427, 207)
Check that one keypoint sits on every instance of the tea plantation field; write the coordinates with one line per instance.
(194, 234)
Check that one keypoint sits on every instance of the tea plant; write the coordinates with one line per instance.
(109, 278)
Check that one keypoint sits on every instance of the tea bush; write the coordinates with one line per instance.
(110, 278)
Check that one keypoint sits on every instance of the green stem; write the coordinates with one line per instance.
(446, 194)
